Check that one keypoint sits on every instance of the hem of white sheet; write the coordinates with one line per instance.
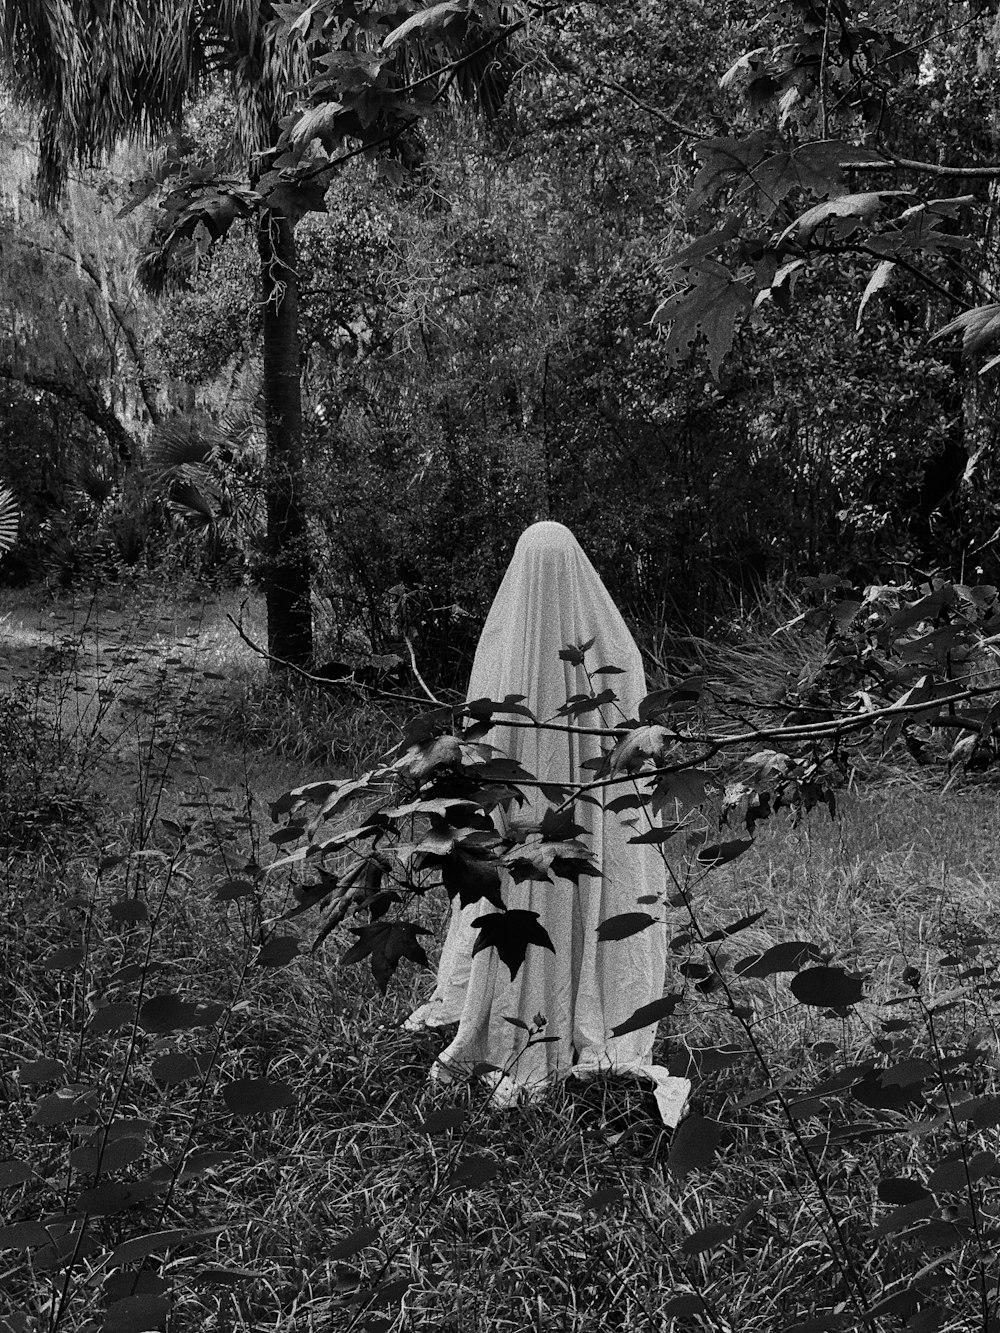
(672, 1094)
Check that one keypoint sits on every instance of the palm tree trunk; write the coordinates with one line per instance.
(287, 562)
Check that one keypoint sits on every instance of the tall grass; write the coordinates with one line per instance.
(368, 1198)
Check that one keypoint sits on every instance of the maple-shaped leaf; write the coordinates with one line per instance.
(559, 824)
(725, 162)
(919, 228)
(471, 874)
(639, 745)
(708, 309)
(386, 943)
(679, 793)
(575, 653)
(510, 933)
(816, 168)
(692, 255)
(421, 760)
(549, 860)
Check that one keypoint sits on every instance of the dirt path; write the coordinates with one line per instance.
(127, 685)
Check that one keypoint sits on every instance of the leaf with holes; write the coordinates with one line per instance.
(707, 310)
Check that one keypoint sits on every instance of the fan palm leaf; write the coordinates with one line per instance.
(10, 516)
(97, 73)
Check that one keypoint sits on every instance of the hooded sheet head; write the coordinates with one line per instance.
(552, 596)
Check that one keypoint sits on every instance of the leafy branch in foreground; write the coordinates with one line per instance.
(898, 662)
(856, 140)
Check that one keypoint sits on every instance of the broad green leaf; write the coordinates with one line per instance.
(708, 310)
(14, 1172)
(721, 853)
(863, 206)
(610, 1196)
(648, 1014)
(438, 1122)
(172, 1013)
(136, 1314)
(694, 1146)
(352, 1244)
(978, 327)
(707, 1238)
(878, 281)
(44, 1070)
(827, 987)
(63, 960)
(624, 925)
(257, 1096)
(424, 21)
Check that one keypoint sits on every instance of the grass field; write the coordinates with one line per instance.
(141, 746)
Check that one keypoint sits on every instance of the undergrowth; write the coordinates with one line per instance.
(205, 1127)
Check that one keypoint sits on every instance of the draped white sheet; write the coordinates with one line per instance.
(552, 596)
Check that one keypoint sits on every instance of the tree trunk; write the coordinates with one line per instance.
(287, 565)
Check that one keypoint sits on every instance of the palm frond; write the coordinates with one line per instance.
(183, 441)
(10, 517)
(99, 73)
(196, 504)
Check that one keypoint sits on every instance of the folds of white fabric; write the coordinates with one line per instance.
(552, 596)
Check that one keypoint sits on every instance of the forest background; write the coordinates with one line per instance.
(478, 347)
(713, 286)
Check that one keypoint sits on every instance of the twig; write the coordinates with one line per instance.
(366, 691)
(416, 671)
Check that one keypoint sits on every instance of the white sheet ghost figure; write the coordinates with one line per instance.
(552, 596)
